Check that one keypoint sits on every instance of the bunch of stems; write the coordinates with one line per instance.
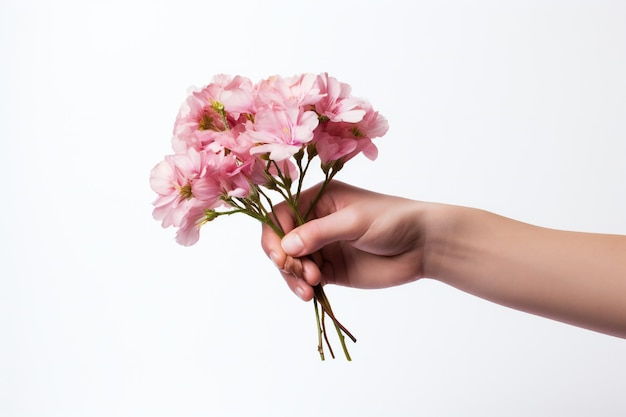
(259, 205)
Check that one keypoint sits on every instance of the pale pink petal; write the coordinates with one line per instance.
(332, 148)
(276, 151)
(189, 232)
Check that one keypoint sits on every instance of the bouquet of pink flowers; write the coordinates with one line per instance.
(238, 144)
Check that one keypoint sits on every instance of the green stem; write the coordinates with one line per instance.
(301, 178)
(323, 300)
(320, 332)
(330, 349)
(329, 176)
(255, 208)
(272, 219)
(287, 195)
(320, 296)
(320, 299)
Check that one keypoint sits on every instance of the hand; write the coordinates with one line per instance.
(354, 237)
(362, 239)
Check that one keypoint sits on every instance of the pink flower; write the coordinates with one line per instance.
(235, 94)
(373, 124)
(172, 180)
(338, 105)
(346, 140)
(281, 132)
(189, 232)
(197, 179)
(196, 124)
(332, 148)
(224, 176)
(233, 140)
(278, 92)
(213, 109)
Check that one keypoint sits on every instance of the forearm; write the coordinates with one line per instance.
(578, 278)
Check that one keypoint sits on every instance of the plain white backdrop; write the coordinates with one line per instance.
(516, 107)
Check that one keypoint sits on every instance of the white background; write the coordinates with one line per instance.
(517, 107)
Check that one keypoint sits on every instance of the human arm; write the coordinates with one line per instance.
(368, 240)
(577, 278)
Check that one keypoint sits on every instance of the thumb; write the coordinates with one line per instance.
(315, 234)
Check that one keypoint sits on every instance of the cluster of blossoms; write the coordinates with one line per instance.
(235, 140)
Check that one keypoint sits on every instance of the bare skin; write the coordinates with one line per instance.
(362, 239)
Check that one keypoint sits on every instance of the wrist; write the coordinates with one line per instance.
(449, 236)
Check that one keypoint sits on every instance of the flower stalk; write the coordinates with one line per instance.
(321, 303)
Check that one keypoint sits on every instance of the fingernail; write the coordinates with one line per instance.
(274, 258)
(292, 244)
(300, 292)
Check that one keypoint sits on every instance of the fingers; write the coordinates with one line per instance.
(300, 272)
(299, 285)
(315, 234)
(297, 274)
(300, 275)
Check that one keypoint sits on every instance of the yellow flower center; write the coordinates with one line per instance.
(357, 133)
(206, 123)
(185, 192)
